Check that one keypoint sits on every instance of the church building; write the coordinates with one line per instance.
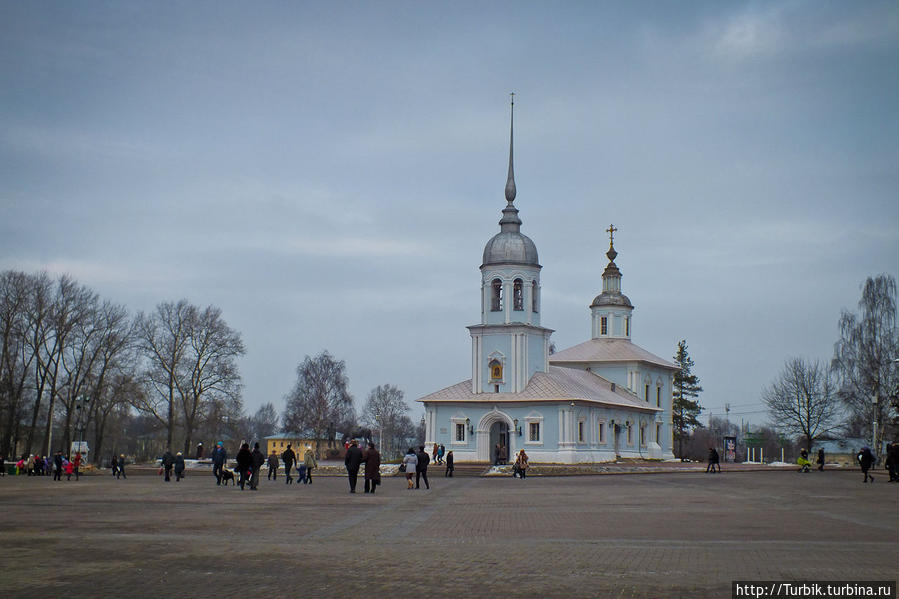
(603, 399)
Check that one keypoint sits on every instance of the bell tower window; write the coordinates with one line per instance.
(518, 295)
(534, 302)
(603, 326)
(496, 302)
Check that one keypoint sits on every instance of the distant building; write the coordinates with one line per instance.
(599, 400)
(299, 441)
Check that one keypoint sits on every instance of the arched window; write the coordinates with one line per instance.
(496, 303)
(517, 295)
(496, 370)
(534, 302)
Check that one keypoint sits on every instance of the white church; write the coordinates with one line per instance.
(604, 399)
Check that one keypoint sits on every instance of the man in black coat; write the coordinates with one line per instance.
(352, 461)
(288, 457)
(168, 461)
(244, 463)
(421, 469)
(258, 461)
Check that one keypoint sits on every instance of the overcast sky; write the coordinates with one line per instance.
(328, 173)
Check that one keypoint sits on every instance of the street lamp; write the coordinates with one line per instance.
(424, 432)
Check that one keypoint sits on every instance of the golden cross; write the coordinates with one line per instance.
(611, 231)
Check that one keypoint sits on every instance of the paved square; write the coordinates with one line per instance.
(648, 535)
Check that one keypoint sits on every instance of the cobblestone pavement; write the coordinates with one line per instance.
(647, 535)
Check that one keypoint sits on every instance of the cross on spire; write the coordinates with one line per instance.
(611, 231)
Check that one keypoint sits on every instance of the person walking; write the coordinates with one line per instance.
(288, 457)
(803, 461)
(114, 465)
(352, 461)
(121, 471)
(421, 468)
(67, 464)
(168, 460)
(434, 452)
(410, 462)
(219, 459)
(273, 464)
(893, 461)
(57, 466)
(76, 464)
(310, 464)
(866, 460)
(258, 461)
(179, 467)
(441, 453)
(244, 464)
(521, 465)
(449, 464)
(820, 459)
(372, 460)
(714, 461)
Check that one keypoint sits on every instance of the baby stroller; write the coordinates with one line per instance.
(803, 461)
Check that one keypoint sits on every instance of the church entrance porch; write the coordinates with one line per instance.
(499, 442)
(493, 430)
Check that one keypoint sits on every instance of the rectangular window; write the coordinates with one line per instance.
(603, 326)
(658, 397)
(646, 392)
(460, 432)
(580, 431)
(642, 435)
(658, 433)
(602, 432)
(627, 327)
(534, 432)
(630, 436)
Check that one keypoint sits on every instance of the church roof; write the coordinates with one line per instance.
(608, 350)
(559, 384)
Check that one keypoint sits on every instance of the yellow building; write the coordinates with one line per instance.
(278, 443)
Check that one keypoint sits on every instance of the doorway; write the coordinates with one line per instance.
(499, 438)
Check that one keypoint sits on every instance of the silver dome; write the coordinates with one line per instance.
(608, 298)
(510, 247)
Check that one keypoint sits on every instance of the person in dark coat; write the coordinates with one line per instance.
(219, 459)
(121, 464)
(893, 461)
(244, 464)
(372, 459)
(258, 461)
(57, 466)
(179, 467)
(352, 461)
(168, 461)
(421, 468)
(714, 461)
(449, 464)
(273, 464)
(114, 465)
(288, 457)
(866, 460)
(820, 459)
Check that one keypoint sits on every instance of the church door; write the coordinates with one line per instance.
(499, 443)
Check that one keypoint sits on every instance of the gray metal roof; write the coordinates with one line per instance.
(609, 350)
(510, 247)
(559, 384)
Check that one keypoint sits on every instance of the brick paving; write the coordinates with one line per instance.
(646, 535)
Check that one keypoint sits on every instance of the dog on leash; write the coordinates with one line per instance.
(228, 475)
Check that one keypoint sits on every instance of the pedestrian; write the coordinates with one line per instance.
(410, 462)
(29, 466)
(2, 465)
(521, 465)
(820, 459)
(288, 457)
(179, 467)
(498, 453)
(38, 465)
(714, 461)
(310, 464)
(273, 464)
(449, 464)
(258, 461)
(219, 459)
(352, 461)
(114, 465)
(504, 454)
(421, 468)
(168, 461)
(434, 452)
(441, 452)
(803, 461)
(866, 460)
(57, 466)
(121, 467)
(76, 464)
(67, 464)
(372, 460)
(893, 461)
(244, 464)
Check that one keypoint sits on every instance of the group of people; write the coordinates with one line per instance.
(37, 465)
(415, 463)
(249, 464)
(354, 459)
(866, 461)
(438, 452)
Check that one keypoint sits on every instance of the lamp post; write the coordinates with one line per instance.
(424, 432)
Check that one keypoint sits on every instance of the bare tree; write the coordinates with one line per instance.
(264, 422)
(383, 411)
(211, 367)
(15, 359)
(803, 399)
(863, 357)
(319, 401)
(163, 336)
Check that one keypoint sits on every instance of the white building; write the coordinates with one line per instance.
(594, 402)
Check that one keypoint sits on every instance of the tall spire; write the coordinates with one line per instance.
(510, 182)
